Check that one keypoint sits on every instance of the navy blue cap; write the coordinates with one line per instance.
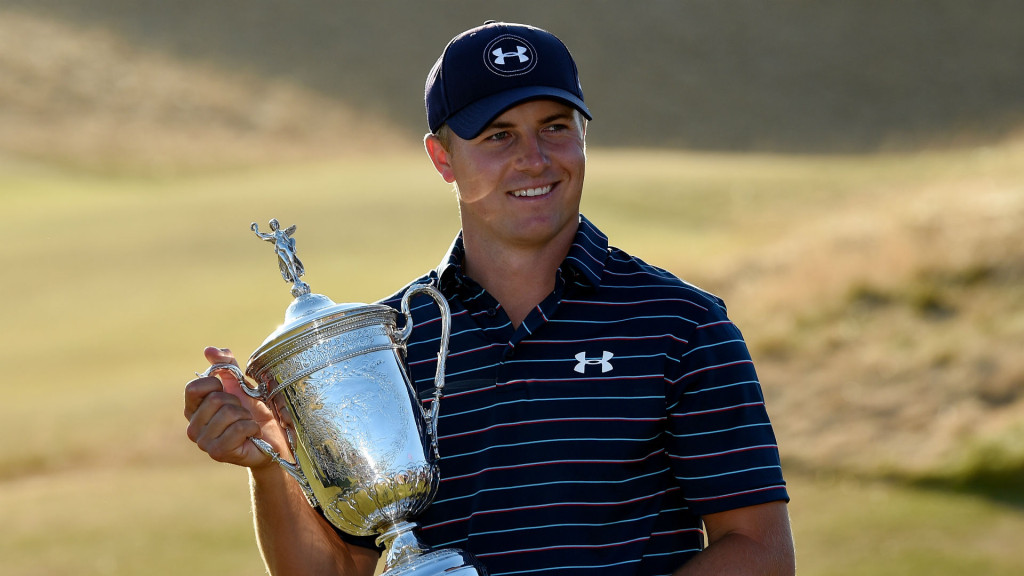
(487, 70)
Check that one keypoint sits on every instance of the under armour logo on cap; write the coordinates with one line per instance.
(509, 55)
(499, 56)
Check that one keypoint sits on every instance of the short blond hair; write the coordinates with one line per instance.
(444, 136)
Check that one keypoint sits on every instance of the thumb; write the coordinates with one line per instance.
(216, 355)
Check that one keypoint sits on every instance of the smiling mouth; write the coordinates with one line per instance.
(531, 192)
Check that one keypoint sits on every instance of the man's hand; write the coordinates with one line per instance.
(222, 417)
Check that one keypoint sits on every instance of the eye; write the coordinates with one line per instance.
(498, 136)
(559, 128)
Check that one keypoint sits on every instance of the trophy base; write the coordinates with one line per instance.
(405, 555)
(445, 561)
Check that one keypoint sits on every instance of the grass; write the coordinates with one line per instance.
(832, 266)
(130, 520)
(846, 526)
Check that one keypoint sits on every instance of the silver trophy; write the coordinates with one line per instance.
(365, 448)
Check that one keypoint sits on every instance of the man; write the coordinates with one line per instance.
(600, 415)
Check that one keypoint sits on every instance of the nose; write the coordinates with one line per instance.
(532, 158)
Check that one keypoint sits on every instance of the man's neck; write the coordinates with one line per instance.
(519, 278)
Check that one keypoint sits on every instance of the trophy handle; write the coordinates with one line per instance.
(259, 393)
(446, 328)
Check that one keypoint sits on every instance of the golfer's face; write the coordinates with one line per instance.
(520, 181)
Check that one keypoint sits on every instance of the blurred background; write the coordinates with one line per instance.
(847, 175)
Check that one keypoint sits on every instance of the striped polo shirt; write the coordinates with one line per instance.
(590, 439)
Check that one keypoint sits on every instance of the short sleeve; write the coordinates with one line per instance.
(720, 440)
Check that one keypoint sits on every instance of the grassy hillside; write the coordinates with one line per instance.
(85, 96)
(285, 77)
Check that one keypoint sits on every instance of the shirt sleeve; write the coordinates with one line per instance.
(720, 441)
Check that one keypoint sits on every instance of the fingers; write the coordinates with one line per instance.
(221, 427)
(197, 390)
(220, 417)
(216, 355)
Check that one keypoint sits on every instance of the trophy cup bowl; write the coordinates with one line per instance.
(365, 450)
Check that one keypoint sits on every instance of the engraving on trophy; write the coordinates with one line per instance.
(324, 353)
(349, 415)
(320, 353)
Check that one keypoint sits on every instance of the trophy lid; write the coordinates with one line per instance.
(310, 311)
(313, 317)
(310, 316)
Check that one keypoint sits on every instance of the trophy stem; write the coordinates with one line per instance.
(401, 545)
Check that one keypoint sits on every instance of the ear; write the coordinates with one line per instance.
(440, 157)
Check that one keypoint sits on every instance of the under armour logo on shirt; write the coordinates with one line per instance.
(499, 56)
(603, 361)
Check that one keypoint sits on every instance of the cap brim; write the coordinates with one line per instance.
(469, 122)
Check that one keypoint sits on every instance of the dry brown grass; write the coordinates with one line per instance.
(889, 325)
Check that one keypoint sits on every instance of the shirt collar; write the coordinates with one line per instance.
(449, 271)
(589, 252)
(587, 257)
